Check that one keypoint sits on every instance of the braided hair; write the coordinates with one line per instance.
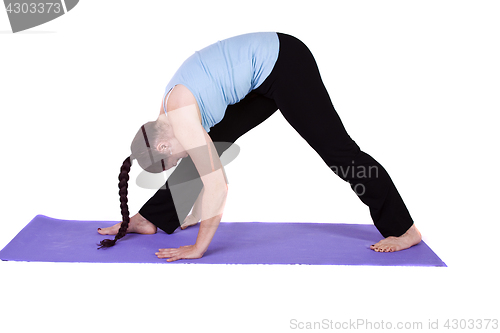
(123, 186)
(148, 158)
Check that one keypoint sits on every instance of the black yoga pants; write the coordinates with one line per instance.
(296, 89)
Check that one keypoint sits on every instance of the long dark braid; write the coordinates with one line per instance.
(123, 186)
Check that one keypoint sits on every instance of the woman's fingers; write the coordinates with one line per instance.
(169, 255)
(183, 252)
(165, 253)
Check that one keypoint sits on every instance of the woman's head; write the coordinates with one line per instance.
(156, 149)
(155, 146)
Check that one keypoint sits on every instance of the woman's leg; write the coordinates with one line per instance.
(184, 183)
(296, 87)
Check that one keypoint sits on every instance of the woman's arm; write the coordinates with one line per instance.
(184, 117)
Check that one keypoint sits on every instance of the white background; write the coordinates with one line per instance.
(416, 84)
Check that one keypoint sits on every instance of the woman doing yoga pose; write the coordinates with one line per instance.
(216, 96)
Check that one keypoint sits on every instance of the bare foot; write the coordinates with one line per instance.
(405, 241)
(189, 221)
(137, 224)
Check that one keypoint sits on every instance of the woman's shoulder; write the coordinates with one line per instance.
(179, 97)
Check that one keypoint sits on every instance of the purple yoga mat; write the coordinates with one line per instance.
(52, 240)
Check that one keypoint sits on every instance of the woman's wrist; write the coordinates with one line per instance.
(206, 232)
(200, 249)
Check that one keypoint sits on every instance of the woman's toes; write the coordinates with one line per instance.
(379, 247)
(110, 230)
(102, 231)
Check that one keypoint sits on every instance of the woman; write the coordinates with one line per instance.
(217, 95)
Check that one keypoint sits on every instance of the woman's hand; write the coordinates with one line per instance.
(183, 252)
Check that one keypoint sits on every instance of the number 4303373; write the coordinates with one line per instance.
(33, 8)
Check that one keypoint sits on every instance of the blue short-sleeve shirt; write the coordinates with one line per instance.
(225, 72)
